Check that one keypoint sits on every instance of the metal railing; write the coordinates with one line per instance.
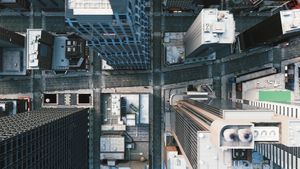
(284, 109)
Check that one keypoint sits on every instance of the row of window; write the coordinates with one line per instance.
(90, 4)
(280, 155)
(285, 110)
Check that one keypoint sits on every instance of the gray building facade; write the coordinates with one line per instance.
(45, 138)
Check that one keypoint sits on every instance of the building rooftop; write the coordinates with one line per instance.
(14, 125)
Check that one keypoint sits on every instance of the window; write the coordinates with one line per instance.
(84, 98)
(50, 99)
(280, 110)
(122, 16)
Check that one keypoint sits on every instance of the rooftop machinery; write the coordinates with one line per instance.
(223, 134)
(10, 107)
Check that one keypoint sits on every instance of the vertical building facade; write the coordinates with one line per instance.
(252, 141)
(119, 30)
(45, 138)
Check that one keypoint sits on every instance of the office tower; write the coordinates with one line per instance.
(286, 24)
(210, 35)
(219, 133)
(45, 138)
(119, 30)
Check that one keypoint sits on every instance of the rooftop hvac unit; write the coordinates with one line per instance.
(116, 105)
(59, 60)
(112, 147)
(130, 119)
(177, 162)
(6, 108)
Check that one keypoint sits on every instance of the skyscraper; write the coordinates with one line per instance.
(221, 133)
(119, 30)
(45, 138)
